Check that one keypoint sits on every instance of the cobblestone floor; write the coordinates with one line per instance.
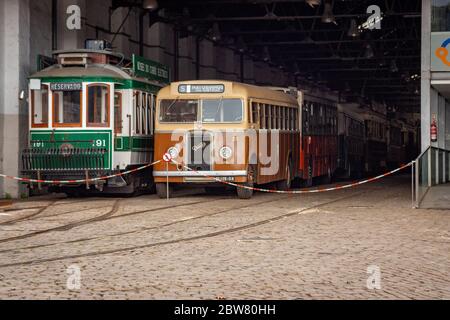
(316, 246)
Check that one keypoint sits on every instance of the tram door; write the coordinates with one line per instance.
(118, 122)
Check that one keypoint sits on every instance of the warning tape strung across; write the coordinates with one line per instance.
(299, 191)
(80, 180)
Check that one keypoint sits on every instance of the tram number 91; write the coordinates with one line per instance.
(99, 143)
(38, 144)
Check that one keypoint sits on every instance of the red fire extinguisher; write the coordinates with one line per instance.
(433, 130)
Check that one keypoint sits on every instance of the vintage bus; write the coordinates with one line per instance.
(219, 127)
(91, 115)
(241, 133)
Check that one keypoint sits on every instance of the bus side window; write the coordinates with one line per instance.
(274, 116)
(118, 113)
(254, 112)
(268, 117)
(262, 116)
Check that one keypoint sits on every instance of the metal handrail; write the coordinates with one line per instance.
(417, 196)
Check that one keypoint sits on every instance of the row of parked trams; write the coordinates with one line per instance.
(94, 113)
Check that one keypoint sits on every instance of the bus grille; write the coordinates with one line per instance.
(199, 151)
(63, 159)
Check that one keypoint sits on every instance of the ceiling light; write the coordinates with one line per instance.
(328, 16)
(150, 5)
(266, 54)
(353, 31)
(393, 66)
(313, 3)
(215, 33)
(369, 52)
(240, 44)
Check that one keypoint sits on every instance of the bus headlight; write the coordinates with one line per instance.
(173, 152)
(225, 152)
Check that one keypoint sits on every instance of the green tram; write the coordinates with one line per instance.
(91, 115)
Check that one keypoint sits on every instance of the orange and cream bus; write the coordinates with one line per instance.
(231, 131)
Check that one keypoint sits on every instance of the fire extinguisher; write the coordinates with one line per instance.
(433, 130)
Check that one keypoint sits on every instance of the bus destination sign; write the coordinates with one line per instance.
(201, 88)
(66, 86)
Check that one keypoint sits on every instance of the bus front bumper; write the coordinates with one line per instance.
(201, 176)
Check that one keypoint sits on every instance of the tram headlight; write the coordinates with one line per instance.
(225, 152)
(173, 152)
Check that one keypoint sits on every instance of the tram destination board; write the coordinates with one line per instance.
(66, 86)
(201, 88)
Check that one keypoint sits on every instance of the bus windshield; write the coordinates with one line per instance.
(221, 110)
(213, 110)
(178, 111)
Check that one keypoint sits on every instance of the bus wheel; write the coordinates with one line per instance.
(285, 185)
(161, 190)
(244, 193)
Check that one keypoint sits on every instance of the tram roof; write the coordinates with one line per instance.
(92, 72)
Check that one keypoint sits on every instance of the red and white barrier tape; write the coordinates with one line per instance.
(79, 180)
(299, 191)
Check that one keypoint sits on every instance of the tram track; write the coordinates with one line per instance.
(146, 228)
(104, 217)
(41, 209)
(193, 238)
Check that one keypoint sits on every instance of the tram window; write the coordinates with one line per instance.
(222, 110)
(178, 111)
(118, 113)
(66, 108)
(98, 105)
(150, 113)
(137, 112)
(144, 113)
(39, 107)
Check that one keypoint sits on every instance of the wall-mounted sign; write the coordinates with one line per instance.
(66, 86)
(440, 47)
(201, 88)
(150, 70)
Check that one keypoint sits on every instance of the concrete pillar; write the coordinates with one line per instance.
(236, 67)
(186, 63)
(41, 30)
(14, 70)
(154, 49)
(249, 75)
(70, 39)
(426, 75)
(207, 60)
